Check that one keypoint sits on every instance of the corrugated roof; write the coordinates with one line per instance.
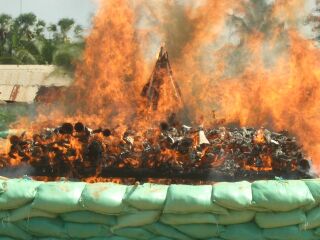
(21, 83)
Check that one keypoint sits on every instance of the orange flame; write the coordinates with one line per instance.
(283, 95)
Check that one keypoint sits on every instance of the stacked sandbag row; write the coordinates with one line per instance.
(262, 210)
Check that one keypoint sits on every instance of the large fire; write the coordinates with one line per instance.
(268, 76)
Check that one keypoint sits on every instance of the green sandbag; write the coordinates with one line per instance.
(104, 198)
(43, 227)
(314, 187)
(59, 197)
(310, 206)
(134, 233)
(52, 238)
(15, 193)
(236, 217)
(147, 196)
(200, 231)
(243, 231)
(11, 230)
(4, 214)
(280, 219)
(88, 217)
(137, 219)
(114, 238)
(27, 212)
(313, 219)
(317, 232)
(167, 231)
(109, 238)
(80, 230)
(281, 195)
(236, 196)
(48, 238)
(190, 218)
(286, 233)
(191, 199)
(162, 238)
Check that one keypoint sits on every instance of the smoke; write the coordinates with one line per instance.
(212, 41)
(207, 41)
(247, 62)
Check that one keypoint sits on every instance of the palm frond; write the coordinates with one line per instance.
(9, 60)
(26, 57)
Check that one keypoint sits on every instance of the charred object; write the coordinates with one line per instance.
(171, 151)
(161, 75)
(180, 152)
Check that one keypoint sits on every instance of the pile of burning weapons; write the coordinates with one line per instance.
(166, 152)
(171, 151)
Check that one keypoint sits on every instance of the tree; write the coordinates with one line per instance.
(67, 55)
(78, 30)
(53, 30)
(314, 19)
(66, 24)
(255, 21)
(23, 40)
(5, 26)
(40, 27)
(25, 24)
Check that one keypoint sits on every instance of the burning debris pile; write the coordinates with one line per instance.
(171, 151)
(174, 152)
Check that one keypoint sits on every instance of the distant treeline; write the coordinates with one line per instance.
(29, 40)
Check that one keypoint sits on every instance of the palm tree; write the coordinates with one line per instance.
(25, 24)
(78, 31)
(314, 19)
(53, 30)
(67, 55)
(6, 34)
(23, 41)
(65, 24)
(28, 34)
(5, 25)
(256, 20)
(40, 27)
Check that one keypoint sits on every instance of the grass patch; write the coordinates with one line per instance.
(10, 112)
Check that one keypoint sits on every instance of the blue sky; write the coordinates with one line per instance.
(52, 10)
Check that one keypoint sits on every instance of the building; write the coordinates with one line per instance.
(21, 83)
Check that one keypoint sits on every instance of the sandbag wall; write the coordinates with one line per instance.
(262, 210)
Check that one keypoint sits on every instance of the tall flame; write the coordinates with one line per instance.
(284, 97)
(107, 82)
(269, 78)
